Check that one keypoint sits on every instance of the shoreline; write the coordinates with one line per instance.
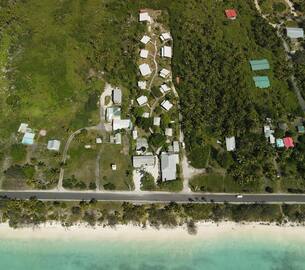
(205, 231)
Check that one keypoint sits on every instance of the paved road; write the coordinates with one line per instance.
(155, 197)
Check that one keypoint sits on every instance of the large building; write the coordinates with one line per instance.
(169, 166)
(143, 161)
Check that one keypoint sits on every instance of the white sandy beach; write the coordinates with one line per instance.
(205, 231)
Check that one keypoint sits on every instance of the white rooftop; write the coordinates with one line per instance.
(144, 17)
(118, 138)
(157, 121)
(164, 72)
(145, 69)
(169, 132)
(143, 161)
(113, 113)
(117, 96)
(165, 36)
(144, 53)
(164, 88)
(142, 100)
(53, 145)
(166, 105)
(145, 39)
(145, 115)
(176, 147)
(23, 128)
(294, 32)
(142, 85)
(166, 51)
(230, 143)
(168, 166)
(135, 134)
(121, 124)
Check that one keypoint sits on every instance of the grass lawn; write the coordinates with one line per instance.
(121, 179)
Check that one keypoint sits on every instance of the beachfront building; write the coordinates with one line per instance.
(294, 32)
(144, 53)
(113, 113)
(142, 85)
(143, 161)
(169, 166)
(230, 143)
(164, 73)
(166, 51)
(142, 100)
(145, 39)
(231, 14)
(117, 96)
(165, 36)
(261, 64)
(164, 88)
(53, 145)
(145, 69)
(144, 17)
(166, 105)
(28, 138)
(118, 124)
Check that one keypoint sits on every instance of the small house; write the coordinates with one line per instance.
(98, 140)
(166, 51)
(142, 85)
(157, 121)
(144, 53)
(169, 166)
(288, 142)
(164, 73)
(230, 143)
(145, 115)
(113, 113)
(165, 36)
(145, 69)
(118, 124)
(143, 161)
(144, 17)
(261, 64)
(279, 143)
(134, 134)
(145, 39)
(176, 147)
(164, 88)
(261, 81)
(231, 14)
(294, 32)
(117, 96)
(169, 132)
(28, 138)
(23, 128)
(142, 100)
(166, 105)
(113, 167)
(53, 145)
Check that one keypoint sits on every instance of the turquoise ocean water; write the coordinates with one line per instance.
(213, 254)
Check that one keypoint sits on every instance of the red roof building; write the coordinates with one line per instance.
(288, 142)
(231, 14)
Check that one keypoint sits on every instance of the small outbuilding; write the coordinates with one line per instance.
(230, 144)
(169, 132)
(144, 53)
(166, 105)
(231, 14)
(145, 69)
(144, 17)
(165, 36)
(28, 138)
(117, 96)
(53, 145)
(142, 85)
(23, 128)
(164, 73)
(157, 121)
(294, 32)
(261, 81)
(261, 64)
(142, 100)
(166, 51)
(176, 146)
(145, 39)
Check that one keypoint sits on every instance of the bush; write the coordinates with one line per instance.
(92, 185)
(157, 140)
(109, 186)
(279, 7)
(18, 152)
(73, 183)
(199, 156)
(147, 182)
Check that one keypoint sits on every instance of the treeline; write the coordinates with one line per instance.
(34, 212)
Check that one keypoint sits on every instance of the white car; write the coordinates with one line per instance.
(239, 196)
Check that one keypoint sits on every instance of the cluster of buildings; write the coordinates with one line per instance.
(29, 136)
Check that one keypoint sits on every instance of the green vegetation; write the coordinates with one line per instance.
(148, 182)
(33, 212)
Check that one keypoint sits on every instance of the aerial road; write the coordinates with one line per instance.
(154, 197)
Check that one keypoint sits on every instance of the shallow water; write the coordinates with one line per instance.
(224, 252)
